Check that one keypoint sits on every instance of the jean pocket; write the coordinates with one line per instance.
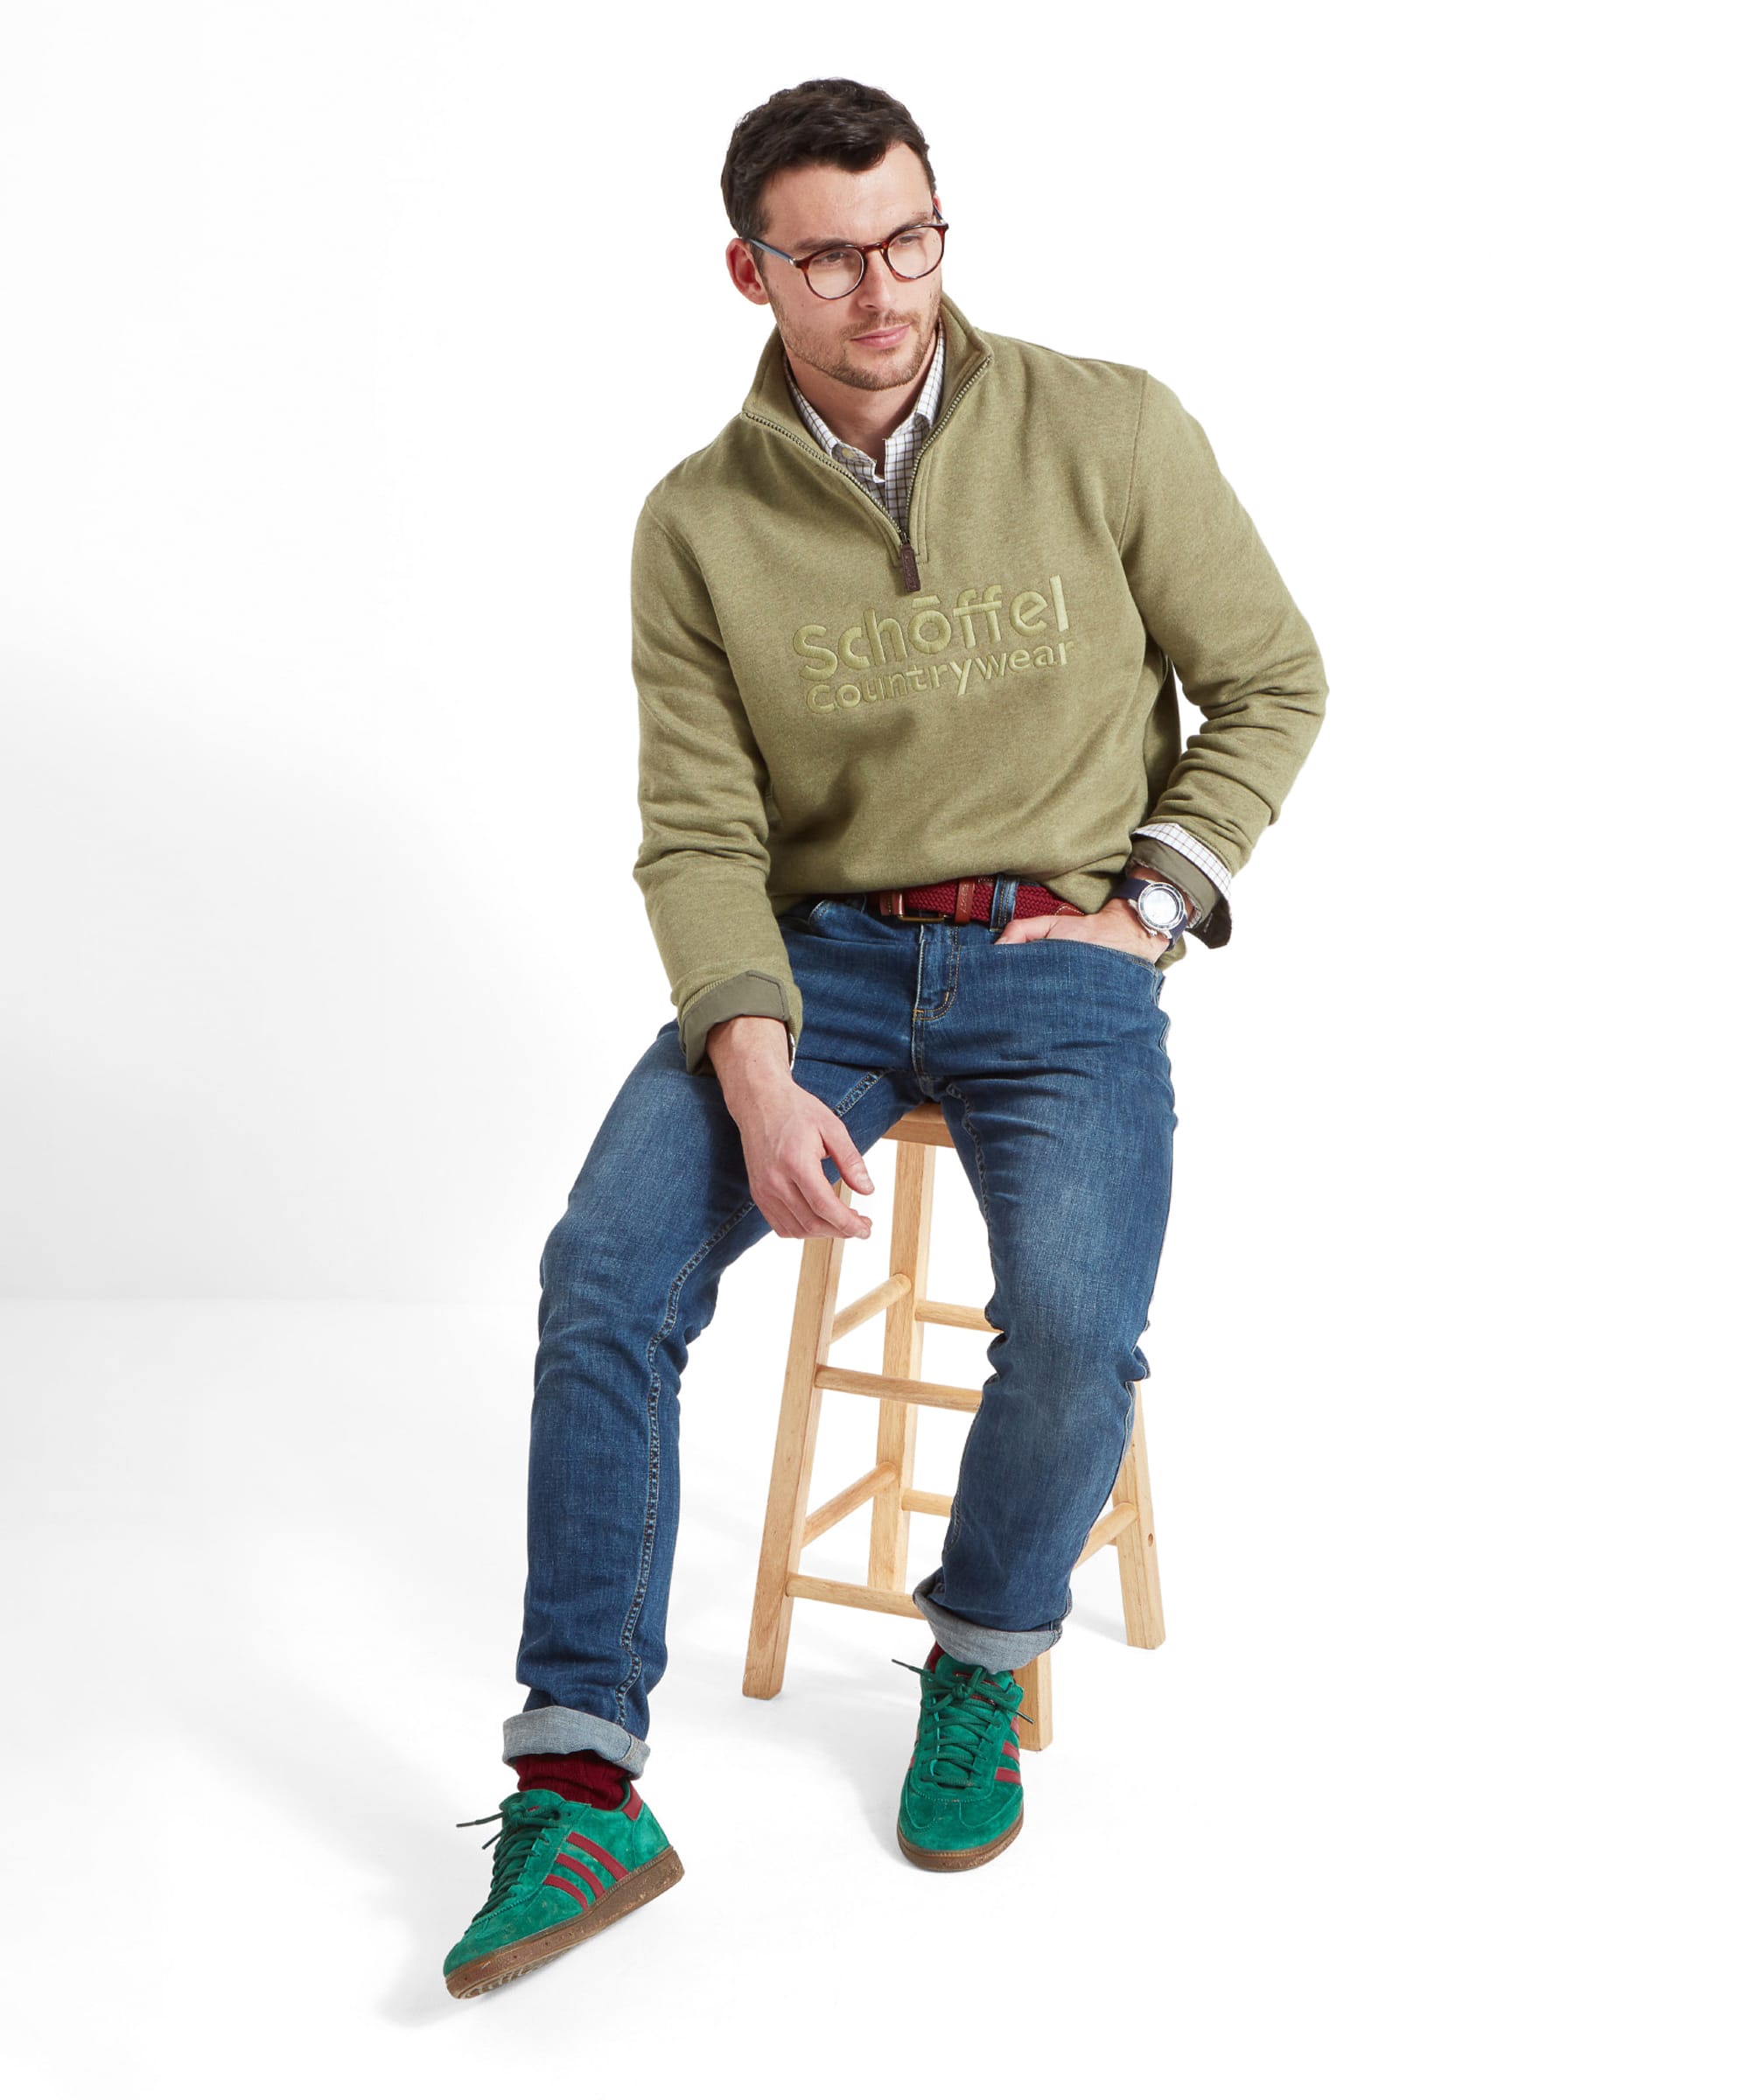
(1149, 971)
(837, 919)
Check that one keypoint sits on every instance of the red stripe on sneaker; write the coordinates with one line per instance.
(631, 1802)
(599, 1852)
(575, 1866)
(1012, 1749)
(1005, 1772)
(568, 1888)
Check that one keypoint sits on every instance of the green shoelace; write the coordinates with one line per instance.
(955, 1716)
(519, 1834)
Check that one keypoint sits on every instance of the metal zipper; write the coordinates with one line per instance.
(910, 565)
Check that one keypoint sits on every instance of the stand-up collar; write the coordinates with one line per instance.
(770, 401)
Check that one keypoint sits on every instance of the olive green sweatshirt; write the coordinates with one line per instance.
(829, 703)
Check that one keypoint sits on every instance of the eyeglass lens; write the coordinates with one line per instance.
(837, 270)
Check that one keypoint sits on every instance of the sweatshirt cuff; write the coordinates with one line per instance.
(750, 991)
(1211, 921)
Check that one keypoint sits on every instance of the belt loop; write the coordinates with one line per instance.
(1004, 902)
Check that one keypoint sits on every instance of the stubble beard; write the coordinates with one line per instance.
(839, 360)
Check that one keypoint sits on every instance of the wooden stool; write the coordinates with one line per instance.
(1127, 1524)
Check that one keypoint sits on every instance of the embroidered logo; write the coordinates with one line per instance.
(930, 648)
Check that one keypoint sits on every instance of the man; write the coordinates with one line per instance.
(919, 825)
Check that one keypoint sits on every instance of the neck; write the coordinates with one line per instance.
(858, 417)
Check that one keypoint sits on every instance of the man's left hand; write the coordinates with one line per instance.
(1116, 926)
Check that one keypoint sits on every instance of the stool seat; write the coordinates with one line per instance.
(790, 1524)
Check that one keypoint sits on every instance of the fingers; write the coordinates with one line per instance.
(798, 1212)
(782, 1220)
(846, 1154)
(838, 1145)
(798, 1198)
(813, 1199)
(1048, 927)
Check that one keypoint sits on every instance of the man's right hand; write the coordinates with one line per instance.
(787, 1132)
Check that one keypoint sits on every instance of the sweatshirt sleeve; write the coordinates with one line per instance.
(703, 865)
(1211, 596)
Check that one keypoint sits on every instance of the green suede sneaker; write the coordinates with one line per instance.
(963, 1794)
(564, 1870)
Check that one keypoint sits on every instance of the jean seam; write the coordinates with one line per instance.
(1126, 1446)
(860, 1088)
(979, 1182)
(651, 1512)
(950, 1087)
(934, 1013)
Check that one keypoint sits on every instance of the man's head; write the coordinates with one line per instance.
(823, 164)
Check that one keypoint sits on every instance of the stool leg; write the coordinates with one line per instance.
(904, 1337)
(1036, 1678)
(1140, 1580)
(796, 1448)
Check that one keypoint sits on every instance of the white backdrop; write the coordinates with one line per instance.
(340, 344)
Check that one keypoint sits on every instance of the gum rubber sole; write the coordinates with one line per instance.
(950, 1863)
(490, 1972)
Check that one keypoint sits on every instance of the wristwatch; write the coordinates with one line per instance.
(1161, 908)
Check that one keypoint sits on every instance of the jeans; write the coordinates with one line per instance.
(1049, 1060)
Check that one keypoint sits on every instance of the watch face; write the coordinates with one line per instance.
(1161, 908)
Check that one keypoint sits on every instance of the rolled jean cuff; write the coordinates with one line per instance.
(990, 1645)
(556, 1731)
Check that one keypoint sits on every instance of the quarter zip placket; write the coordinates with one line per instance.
(909, 562)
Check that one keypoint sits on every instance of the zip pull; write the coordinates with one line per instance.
(910, 566)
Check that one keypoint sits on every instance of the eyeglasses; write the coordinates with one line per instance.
(834, 272)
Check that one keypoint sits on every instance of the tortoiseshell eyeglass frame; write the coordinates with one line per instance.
(941, 226)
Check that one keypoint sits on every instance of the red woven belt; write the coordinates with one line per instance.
(971, 898)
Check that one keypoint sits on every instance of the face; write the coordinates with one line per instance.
(806, 209)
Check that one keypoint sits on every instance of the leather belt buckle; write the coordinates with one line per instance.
(894, 905)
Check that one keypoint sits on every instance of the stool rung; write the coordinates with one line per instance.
(829, 1514)
(924, 1504)
(937, 1314)
(1107, 1529)
(874, 1302)
(880, 1386)
(858, 1594)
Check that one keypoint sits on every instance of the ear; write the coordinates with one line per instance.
(741, 267)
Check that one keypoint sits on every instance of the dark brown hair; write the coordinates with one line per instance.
(838, 124)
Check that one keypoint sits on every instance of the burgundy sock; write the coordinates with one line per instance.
(932, 1659)
(579, 1775)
